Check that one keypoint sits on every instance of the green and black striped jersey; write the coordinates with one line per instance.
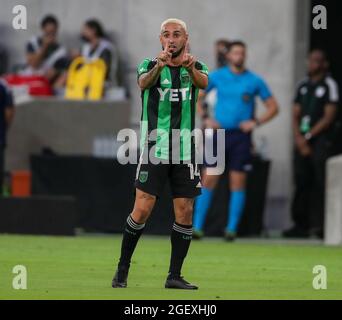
(168, 105)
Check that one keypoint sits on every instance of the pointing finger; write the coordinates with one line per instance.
(166, 48)
(187, 47)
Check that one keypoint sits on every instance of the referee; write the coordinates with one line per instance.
(314, 111)
(237, 87)
(169, 87)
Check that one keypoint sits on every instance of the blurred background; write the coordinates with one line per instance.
(61, 171)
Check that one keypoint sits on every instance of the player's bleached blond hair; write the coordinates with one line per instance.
(174, 20)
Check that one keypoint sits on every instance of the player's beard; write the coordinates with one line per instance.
(177, 53)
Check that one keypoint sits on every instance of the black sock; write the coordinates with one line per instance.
(180, 241)
(130, 239)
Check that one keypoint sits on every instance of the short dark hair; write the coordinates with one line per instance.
(96, 26)
(224, 42)
(236, 43)
(320, 50)
(49, 19)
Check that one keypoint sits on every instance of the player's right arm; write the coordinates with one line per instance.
(148, 79)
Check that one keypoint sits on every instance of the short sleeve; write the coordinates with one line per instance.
(202, 67)
(106, 55)
(296, 98)
(333, 91)
(29, 48)
(211, 82)
(145, 66)
(262, 89)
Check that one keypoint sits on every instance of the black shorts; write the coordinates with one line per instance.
(184, 179)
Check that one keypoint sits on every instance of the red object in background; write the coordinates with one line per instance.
(38, 85)
(21, 183)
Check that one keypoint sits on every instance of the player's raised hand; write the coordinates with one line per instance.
(164, 56)
(188, 60)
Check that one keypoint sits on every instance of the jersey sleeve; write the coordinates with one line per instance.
(29, 48)
(202, 67)
(333, 91)
(145, 66)
(211, 82)
(296, 98)
(263, 90)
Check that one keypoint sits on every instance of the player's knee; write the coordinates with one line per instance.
(184, 214)
(141, 214)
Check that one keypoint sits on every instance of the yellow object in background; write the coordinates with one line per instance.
(85, 79)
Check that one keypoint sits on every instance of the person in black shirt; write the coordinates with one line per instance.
(44, 55)
(315, 107)
(96, 44)
(6, 116)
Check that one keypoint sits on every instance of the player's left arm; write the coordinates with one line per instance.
(198, 77)
(198, 71)
(270, 103)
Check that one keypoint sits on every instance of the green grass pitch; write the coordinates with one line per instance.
(82, 268)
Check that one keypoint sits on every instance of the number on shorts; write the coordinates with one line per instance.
(193, 171)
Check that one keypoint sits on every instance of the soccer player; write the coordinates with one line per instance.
(237, 88)
(169, 88)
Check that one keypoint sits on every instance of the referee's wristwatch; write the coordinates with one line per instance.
(308, 136)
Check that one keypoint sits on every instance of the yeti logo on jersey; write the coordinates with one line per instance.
(173, 94)
(143, 176)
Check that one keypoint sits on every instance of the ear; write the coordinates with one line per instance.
(186, 37)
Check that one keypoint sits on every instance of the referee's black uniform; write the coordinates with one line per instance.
(309, 172)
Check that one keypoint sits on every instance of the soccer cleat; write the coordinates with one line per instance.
(120, 278)
(197, 234)
(177, 282)
(230, 236)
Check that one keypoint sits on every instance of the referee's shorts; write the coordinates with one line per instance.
(237, 150)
